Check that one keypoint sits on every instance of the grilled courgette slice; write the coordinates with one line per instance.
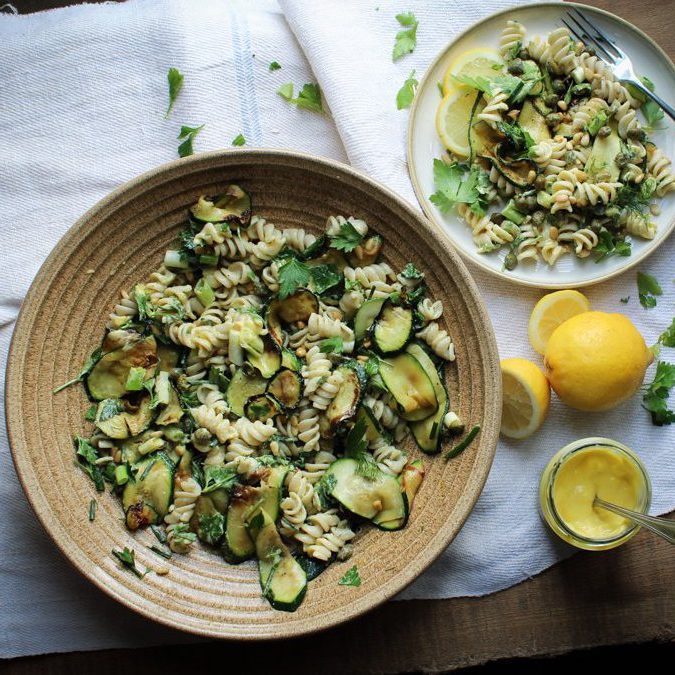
(267, 361)
(237, 544)
(427, 432)
(347, 399)
(108, 378)
(393, 328)
(410, 386)
(411, 478)
(365, 316)
(241, 388)
(282, 578)
(298, 306)
(286, 387)
(147, 496)
(380, 500)
(262, 407)
(233, 206)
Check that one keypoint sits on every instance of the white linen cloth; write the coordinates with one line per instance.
(81, 111)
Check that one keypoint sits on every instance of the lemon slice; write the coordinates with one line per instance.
(452, 120)
(551, 311)
(526, 397)
(474, 63)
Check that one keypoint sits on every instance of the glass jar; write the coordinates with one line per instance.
(547, 500)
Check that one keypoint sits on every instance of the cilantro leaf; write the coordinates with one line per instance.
(656, 394)
(309, 97)
(411, 272)
(90, 415)
(182, 535)
(355, 448)
(667, 338)
(648, 289)
(217, 477)
(286, 91)
(88, 366)
(351, 577)
(275, 65)
(406, 40)
(332, 345)
(372, 366)
(596, 123)
(507, 83)
(324, 277)
(128, 559)
(292, 275)
(608, 246)
(452, 186)
(347, 239)
(187, 135)
(86, 455)
(239, 140)
(175, 79)
(406, 93)
(324, 489)
(650, 109)
(211, 527)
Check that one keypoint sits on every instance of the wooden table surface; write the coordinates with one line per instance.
(591, 599)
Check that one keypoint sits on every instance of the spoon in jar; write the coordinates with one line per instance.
(664, 527)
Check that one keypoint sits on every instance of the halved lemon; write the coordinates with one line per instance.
(452, 120)
(551, 311)
(476, 62)
(526, 397)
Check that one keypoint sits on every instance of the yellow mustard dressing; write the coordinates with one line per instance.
(601, 471)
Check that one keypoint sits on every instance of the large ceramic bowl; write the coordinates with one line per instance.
(114, 246)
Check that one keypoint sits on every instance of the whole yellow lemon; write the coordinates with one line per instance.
(594, 360)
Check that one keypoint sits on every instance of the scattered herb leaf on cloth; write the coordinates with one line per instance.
(648, 289)
(406, 93)
(309, 97)
(656, 394)
(275, 65)
(187, 135)
(175, 79)
(406, 40)
(239, 140)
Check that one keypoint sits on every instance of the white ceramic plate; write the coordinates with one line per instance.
(424, 144)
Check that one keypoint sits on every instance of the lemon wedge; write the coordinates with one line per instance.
(452, 120)
(526, 397)
(474, 63)
(551, 311)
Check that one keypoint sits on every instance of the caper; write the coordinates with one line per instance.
(551, 100)
(497, 218)
(540, 182)
(516, 67)
(558, 86)
(511, 261)
(522, 203)
(621, 160)
(604, 132)
(524, 54)
(538, 217)
(553, 119)
(599, 209)
(613, 212)
(638, 134)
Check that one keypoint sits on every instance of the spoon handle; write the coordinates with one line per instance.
(662, 526)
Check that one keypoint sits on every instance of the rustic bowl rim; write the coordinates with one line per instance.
(489, 433)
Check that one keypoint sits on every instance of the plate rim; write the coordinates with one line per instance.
(151, 609)
(419, 193)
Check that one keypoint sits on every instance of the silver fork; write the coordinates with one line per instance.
(612, 54)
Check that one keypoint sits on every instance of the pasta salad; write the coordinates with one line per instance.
(256, 393)
(547, 155)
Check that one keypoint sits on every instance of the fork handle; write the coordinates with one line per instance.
(657, 99)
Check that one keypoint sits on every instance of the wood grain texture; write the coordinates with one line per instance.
(591, 599)
(113, 247)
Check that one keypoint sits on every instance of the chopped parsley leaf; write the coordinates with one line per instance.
(351, 577)
(187, 135)
(239, 140)
(406, 93)
(406, 39)
(648, 289)
(292, 275)
(175, 79)
(656, 394)
(275, 65)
